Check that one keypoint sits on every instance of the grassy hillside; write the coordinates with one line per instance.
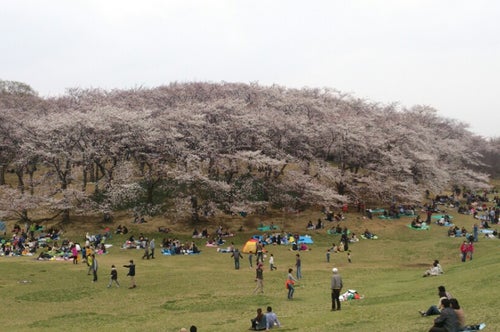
(206, 290)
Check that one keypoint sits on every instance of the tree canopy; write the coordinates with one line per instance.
(202, 149)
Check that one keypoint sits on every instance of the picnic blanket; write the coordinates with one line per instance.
(423, 228)
(334, 232)
(376, 210)
(446, 224)
(477, 327)
(168, 252)
(267, 228)
(388, 217)
(307, 239)
(439, 216)
(132, 245)
(374, 237)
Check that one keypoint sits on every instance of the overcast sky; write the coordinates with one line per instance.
(442, 53)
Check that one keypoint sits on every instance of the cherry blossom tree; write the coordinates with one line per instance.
(197, 150)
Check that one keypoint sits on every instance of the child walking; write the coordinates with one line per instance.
(114, 277)
(271, 263)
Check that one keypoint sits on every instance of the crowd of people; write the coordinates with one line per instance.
(28, 240)
(450, 315)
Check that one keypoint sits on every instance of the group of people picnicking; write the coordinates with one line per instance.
(451, 317)
(49, 245)
(447, 321)
(27, 240)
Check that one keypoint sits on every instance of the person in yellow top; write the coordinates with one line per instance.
(90, 261)
(88, 252)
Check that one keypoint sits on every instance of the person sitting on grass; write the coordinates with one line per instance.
(271, 319)
(435, 270)
(460, 313)
(353, 238)
(461, 318)
(368, 234)
(229, 249)
(259, 322)
(447, 320)
(119, 229)
(436, 309)
(416, 224)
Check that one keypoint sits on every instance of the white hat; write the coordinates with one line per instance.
(335, 270)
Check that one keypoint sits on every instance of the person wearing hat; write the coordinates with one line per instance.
(259, 278)
(336, 285)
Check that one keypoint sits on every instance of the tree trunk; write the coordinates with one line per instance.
(84, 179)
(195, 218)
(2, 175)
(65, 216)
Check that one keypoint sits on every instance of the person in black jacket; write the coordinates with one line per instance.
(131, 273)
(113, 277)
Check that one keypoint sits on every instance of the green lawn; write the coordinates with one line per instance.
(206, 290)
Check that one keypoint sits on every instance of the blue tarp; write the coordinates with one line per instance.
(305, 239)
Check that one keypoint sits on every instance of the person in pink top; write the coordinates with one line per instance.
(74, 254)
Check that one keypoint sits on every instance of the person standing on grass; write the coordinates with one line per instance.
(290, 282)
(236, 255)
(250, 258)
(260, 252)
(259, 278)
(464, 248)
(145, 244)
(271, 263)
(74, 254)
(113, 277)
(89, 263)
(94, 267)
(336, 285)
(298, 266)
(152, 247)
(470, 250)
(88, 250)
(131, 273)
